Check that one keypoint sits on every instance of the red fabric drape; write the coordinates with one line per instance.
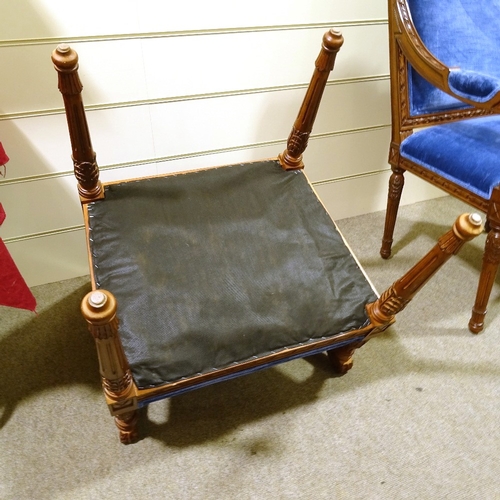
(14, 292)
(3, 155)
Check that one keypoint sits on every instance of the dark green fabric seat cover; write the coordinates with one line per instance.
(221, 265)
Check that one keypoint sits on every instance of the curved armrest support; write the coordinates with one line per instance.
(473, 88)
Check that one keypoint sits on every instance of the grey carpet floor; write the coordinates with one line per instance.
(416, 418)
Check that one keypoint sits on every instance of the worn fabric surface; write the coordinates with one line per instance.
(221, 265)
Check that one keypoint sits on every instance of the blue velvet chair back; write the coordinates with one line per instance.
(460, 33)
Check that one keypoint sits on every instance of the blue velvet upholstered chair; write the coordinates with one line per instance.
(445, 82)
(206, 275)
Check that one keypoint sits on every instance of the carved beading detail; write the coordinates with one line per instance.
(445, 117)
(403, 86)
(450, 187)
(405, 16)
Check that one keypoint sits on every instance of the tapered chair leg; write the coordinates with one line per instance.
(396, 183)
(382, 312)
(99, 310)
(491, 260)
(127, 426)
(341, 358)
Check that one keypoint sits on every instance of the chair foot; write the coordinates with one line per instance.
(476, 322)
(491, 261)
(396, 183)
(127, 426)
(341, 359)
(385, 251)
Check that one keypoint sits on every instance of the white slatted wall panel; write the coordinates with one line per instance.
(172, 73)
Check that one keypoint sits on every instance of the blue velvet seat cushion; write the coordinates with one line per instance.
(466, 152)
(223, 265)
(464, 35)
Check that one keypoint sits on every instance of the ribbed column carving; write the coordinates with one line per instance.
(291, 158)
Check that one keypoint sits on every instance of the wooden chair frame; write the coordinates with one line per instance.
(406, 47)
(99, 307)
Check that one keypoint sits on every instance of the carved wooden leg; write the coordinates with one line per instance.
(291, 158)
(491, 260)
(396, 184)
(99, 310)
(341, 358)
(86, 170)
(127, 426)
(396, 297)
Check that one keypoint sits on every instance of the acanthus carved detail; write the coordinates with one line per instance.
(492, 250)
(390, 303)
(396, 185)
(87, 174)
(118, 386)
(297, 142)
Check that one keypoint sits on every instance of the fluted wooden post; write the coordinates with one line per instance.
(395, 298)
(86, 170)
(491, 262)
(99, 310)
(291, 158)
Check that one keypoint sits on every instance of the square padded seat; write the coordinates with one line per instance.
(445, 150)
(222, 265)
(202, 276)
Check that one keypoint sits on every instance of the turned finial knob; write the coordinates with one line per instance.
(475, 219)
(63, 48)
(468, 226)
(99, 307)
(333, 40)
(97, 299)
(65, 58)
